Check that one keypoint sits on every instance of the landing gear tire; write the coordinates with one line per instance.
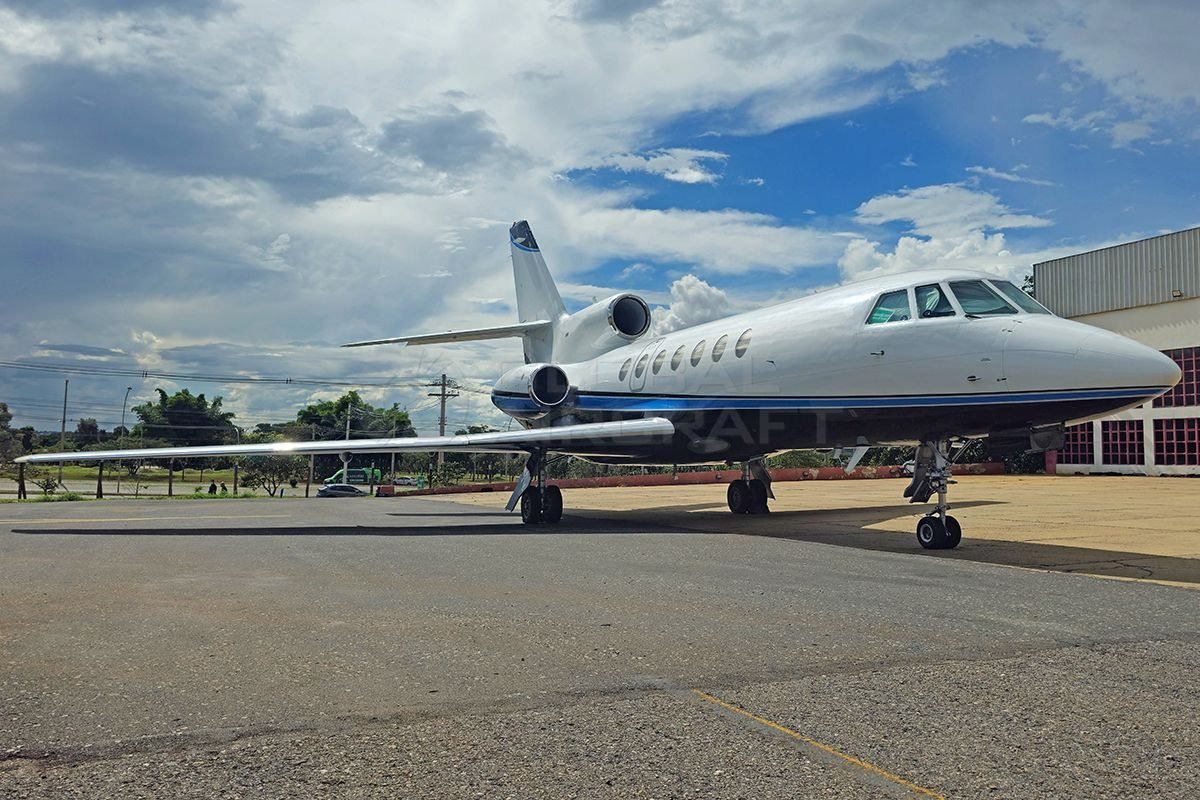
(739, 496)
(552, 504)
(953, 533)
(531, 506)
(758, 497)
(931, 533)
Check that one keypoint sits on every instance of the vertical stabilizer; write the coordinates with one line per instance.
(537, 296)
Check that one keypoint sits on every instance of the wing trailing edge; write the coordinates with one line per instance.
(469, 335)
(587, 438)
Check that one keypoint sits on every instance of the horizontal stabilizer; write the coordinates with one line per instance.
(587, 438)
(474, 334)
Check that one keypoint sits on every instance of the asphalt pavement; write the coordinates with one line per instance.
(409, 647)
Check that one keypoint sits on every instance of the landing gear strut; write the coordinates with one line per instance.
(539, 502)
(748, 495)
(937, 530)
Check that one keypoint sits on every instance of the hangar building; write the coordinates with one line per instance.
(1148, 290)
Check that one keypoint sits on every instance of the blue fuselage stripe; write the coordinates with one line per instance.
(638, 402)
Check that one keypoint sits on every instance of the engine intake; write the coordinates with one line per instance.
(548, 386)
(629, 315)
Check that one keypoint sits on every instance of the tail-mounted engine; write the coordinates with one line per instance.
(533, 390)
(601, 327)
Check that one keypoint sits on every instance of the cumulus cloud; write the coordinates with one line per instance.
(955, 227)
(945, 209)
(692, 302)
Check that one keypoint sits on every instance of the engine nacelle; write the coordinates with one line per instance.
(601, 327)
(533, 390)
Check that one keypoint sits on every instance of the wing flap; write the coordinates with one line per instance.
(592, 437)
(469, 335)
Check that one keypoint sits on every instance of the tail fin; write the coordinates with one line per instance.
(537, 296)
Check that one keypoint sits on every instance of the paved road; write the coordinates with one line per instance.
(383, 648)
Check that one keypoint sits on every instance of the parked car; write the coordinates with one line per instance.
(340, 490)
(404, 480)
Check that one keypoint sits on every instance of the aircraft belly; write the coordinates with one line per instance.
(714, 435)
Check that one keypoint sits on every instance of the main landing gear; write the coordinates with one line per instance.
(749, 495)
(937, 530)
(539, 502)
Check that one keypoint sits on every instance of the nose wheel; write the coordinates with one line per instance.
(937, 530)
(937, 533)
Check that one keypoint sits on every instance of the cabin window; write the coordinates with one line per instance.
(719, 348)
(891, 307)
(698, 353)
(979, 300)
(677, 359)
(932, 302)
(640, 369)
(1022, 299)
(743, 344)
(625, 369)
(659, 360)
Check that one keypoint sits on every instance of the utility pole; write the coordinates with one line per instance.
(442, 393)
(62, 439)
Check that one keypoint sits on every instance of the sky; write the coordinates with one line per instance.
(219, 188)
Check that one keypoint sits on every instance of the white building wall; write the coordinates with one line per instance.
(1163, 326)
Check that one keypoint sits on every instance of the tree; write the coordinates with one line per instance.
(10, 443)
(271, 472)
(87, 430)
(326, 421)
(44, 479)
(185, 420)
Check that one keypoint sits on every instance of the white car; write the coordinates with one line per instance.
(404, 480)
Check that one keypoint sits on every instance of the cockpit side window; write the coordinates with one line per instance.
(932, 302)
(891, 307)
(1027, 303)
(979, 300)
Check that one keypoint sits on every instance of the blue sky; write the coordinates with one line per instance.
(236, 187)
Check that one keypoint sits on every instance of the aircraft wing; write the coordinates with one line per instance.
(470, 335)
(594, 438)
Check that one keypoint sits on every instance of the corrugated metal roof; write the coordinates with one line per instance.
(1135, 274)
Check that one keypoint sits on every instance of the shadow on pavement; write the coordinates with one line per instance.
(850, 527)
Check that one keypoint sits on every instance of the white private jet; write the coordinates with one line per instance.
(927, 358)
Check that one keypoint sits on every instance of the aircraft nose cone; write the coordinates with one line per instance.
(1125, 362)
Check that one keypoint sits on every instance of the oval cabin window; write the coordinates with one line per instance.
(624, 373)
(677, 359)
(640, 369)
(698, 353)
(743, 344)
(659, 360)
(719, 348)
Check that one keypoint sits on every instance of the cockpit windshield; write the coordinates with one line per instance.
(979, 300)
(1027, 303)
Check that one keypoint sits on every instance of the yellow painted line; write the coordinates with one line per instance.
(858, 762)
(137, 519)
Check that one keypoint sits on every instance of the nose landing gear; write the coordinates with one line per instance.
(937, 530)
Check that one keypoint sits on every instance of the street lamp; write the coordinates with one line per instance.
(124, 433)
